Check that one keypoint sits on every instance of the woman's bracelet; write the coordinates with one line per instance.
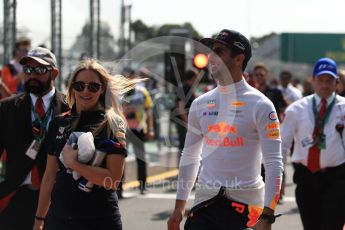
(40, 218)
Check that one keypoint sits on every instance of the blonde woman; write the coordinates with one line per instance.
(93, 96)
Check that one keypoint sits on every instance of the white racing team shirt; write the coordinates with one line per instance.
(231, 129)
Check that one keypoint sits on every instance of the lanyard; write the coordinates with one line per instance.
(43, 123)
(320, 123)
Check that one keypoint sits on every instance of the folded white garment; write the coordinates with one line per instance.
(86, 148)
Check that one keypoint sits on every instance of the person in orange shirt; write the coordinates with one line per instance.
(4, 90)
(12, 73)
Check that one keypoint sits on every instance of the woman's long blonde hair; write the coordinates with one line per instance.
(115, 87)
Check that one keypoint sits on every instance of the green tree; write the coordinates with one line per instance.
(143, 32)
(195, 34)
(164, 30)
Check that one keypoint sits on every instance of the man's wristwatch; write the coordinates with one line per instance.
(270, 218)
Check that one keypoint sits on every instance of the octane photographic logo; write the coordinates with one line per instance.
(160, 59)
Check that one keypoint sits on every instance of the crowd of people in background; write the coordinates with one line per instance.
(37, 178)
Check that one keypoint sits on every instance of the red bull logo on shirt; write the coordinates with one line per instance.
(223, 129)
(226, 142)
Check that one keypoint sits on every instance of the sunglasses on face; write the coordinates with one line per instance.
(38, 69)
(80, 86)
(218, 50)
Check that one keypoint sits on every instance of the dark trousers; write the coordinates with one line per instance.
(104, 223)
(219, 213)
(137, 138)
(20, 214)
(321, 197)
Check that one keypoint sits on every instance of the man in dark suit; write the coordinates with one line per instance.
(274, 94)
(24, 120)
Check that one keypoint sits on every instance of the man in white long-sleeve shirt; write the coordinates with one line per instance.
(231, 129)
(316, 124)
(290, 92)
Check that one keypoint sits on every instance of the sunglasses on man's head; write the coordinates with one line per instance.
(38, 69)
(80, 86)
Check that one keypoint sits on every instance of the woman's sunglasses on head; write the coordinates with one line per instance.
(38, 69)
(80, 86)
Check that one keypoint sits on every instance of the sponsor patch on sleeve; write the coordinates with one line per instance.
(211, 104)
(273, 116)
(274, 134)
(272, 126)
(120, 135)
(275, 200)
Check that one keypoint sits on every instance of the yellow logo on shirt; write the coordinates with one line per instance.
(237, 103)
(274, 125)
(274, 135)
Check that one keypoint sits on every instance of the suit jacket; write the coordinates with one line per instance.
(16, 136)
